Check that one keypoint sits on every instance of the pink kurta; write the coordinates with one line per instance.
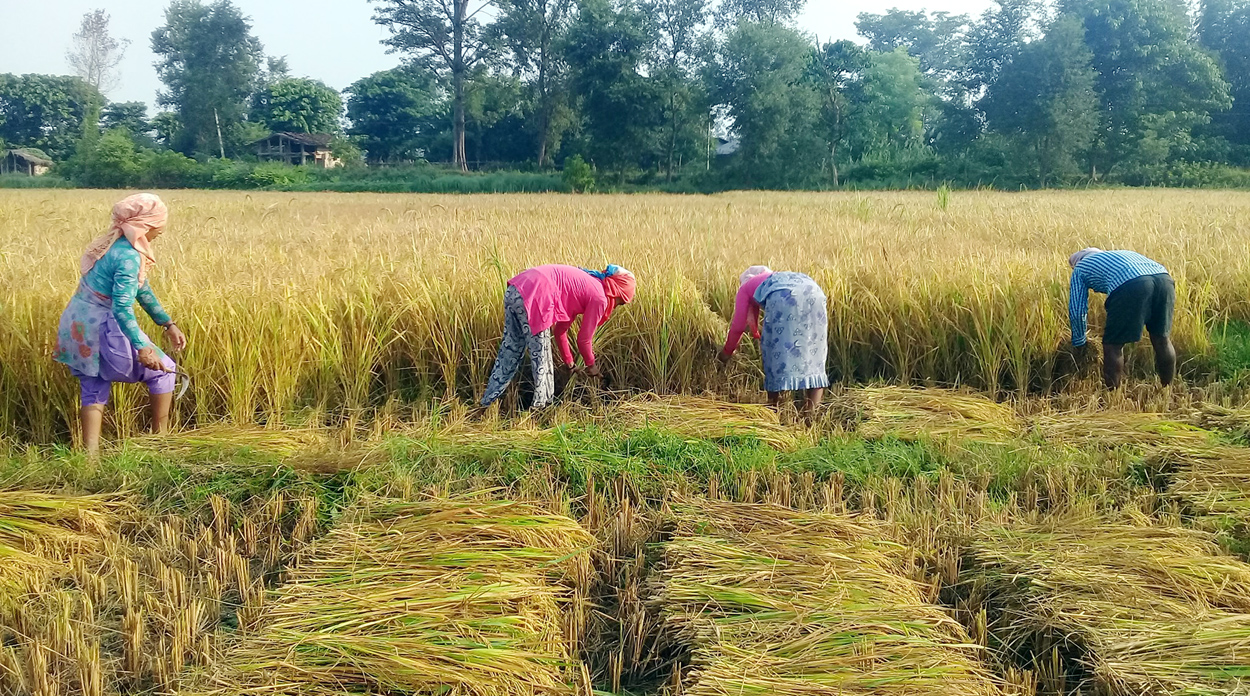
(746, 313)
(554, 296)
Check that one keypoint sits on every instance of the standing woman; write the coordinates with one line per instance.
(99, 337)
(794, 342)
(541, 303)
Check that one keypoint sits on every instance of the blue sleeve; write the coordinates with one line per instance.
(125, 290)
(1078, 307)
(151, 305)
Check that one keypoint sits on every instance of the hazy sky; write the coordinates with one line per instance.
(334, 41)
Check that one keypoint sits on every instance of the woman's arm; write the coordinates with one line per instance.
(560, 332)
(151, 305)
(746, 315)
(125, 290)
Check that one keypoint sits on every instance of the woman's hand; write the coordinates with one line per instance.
(177, 340)
(149, 359)
(723, 357)
(594, 371)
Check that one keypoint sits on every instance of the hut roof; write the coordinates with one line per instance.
(30, 155)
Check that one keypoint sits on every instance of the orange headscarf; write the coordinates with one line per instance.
(618, 283)
(133, 217)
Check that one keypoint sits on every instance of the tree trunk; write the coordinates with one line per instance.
(672, 139)
(458, 71)
(544, 108)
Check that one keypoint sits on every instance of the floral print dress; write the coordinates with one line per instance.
(795, 335)
(102, 314)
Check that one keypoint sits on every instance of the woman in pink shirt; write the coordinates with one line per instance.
(794, 343)
(541, 303)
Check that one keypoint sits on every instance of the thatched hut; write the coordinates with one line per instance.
(24, 161)
(297, 148)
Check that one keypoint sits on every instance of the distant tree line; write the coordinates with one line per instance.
(718, 93)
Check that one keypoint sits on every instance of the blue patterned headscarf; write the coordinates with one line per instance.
(608, 272)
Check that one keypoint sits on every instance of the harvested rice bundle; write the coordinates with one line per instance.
(1119, 428)
(772, 601)
(1216, 481)
(1146, 610)
(915, 413)
(281, 444)
(445, 596)
(39, 530)
(705, 418)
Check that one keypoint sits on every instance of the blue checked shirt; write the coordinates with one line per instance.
(1103, 272)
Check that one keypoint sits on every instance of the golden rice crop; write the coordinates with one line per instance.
(771, 601)
(443, 596)
(1145, 609)
(300, 306)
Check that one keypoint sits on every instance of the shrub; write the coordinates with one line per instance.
(578, 174)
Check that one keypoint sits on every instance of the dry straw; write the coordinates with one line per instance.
(771, 601)
(465, 596)
(1144, 609)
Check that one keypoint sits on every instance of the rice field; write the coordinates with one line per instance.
(321, 308)
(970, 515)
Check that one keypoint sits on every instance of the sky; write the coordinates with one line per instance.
(334, 41)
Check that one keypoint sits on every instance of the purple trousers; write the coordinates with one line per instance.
(119, 362)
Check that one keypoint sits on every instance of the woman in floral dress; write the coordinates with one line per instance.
(794, 340)
(99, 338)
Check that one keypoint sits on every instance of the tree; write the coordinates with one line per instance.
(208, 60)
(773, 11)
(95, 54)
(679, 27)
(760, 75)
(937, 40)
(1224, 29)
(999, 36)
(837, 69)
(620, 107)
(447, 34)
(129, 116)
(531, 31)
(1046, 98)
(298, 105)
(1154, 83)
(45, 111)
(893, 101)
(389, 110)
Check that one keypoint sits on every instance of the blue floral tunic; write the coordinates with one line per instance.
(794, 341)
(107, 294)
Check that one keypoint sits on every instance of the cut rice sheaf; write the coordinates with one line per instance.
(772, 601)
(443, 596)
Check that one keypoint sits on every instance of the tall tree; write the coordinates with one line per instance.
(298, 105)
(679, 27)
(1045, 97)
(997, 38)
(94, 54)
(1154, 82)
(47, 112)
(389, 111)
(208, 60)
(1224, 29)
(837, 70)
(760, 75)
(532, 31)
(620, 107)
(446, 33)
(890, 116)
(938, 40)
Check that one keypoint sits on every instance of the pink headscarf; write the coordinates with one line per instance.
(618, 283)
(133, 217)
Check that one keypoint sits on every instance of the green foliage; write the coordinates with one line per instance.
(298, 105)
(760, 74)
(209, 61)
(44, 111)
(275, 175)
(891, 115)
(390, 111)
(1232, 349)
(131, 116)
(578, 174)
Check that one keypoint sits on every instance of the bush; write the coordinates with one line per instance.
(168, 169)
(578, 175)
(276, 175)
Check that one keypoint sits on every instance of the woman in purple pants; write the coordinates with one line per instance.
(99, 337)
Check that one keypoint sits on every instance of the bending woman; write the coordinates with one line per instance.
(99, 337)
(540, 304)
(794, 342)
